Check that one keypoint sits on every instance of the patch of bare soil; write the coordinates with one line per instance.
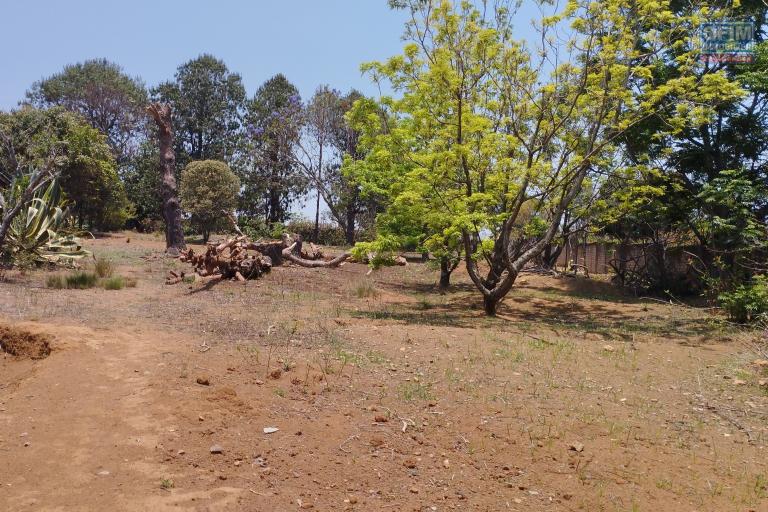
(331, 389)
(24, 344)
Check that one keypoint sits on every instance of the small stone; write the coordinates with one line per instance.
(446, 463)
(608, 348)
(216, 449)
(760, 363)
(259, 382)
(276, 373)
(103, 472)
(270, 430)
(380, 418)
(739, 382)
(181, 452)
(576, 446)
(203, 381)
(238, 462)
(414, 490)
(763, 382)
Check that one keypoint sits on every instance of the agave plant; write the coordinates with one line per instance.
(37, 232)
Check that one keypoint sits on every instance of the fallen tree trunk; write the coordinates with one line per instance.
(288, 253)
(239, 259)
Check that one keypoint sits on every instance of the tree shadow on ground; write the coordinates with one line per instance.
(611, 315)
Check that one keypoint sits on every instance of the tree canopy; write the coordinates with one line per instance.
(100, 92)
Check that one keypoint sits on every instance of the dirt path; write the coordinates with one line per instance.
(87, 422)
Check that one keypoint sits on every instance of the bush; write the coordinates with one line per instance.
(747, 303)
(104, 267)
(328, 234)
(81, 280)
(208, 188)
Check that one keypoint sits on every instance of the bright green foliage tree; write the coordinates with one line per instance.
(209, 192)
(709, 179)
(100, 92)
(84, 162)
(207, 102)
(486, 125)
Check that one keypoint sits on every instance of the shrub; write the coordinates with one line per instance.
(747, 303)
(104, 267)
(327, 234)
(56, 282)
(81, 280)
(207, 188)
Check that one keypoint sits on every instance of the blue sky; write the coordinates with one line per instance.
(312, 42)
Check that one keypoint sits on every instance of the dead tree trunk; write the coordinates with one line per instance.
(174, 234)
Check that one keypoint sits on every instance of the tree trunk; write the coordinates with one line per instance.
(489, 305)
(349, 231)
(445, 273)
(316, 232)
(174, 234)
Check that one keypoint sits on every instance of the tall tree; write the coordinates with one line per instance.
(703, 186)
(271, 180)
(340, 191)
(104, 95)
(174, 234)
(490, 124)
(313, 147)
(207, 101)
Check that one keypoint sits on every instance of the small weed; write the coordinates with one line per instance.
(166, 483)
(104, 267)
(279, 392)
(375, 357)
(415, 391)
(81, 280)
(365, 289)
(188, 279)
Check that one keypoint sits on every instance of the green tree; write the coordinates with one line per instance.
(141, 177)
(712, 175)
(106, 97)
(207, 101)
(209, 190)
(271, 180)
(487, 125)
(87, 169)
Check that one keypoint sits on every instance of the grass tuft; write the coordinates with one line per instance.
(56, 282)
(365, 289)
(81, 280)
(104, 267)
(118, 283)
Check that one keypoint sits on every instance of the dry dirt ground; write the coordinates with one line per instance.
(387, 396)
